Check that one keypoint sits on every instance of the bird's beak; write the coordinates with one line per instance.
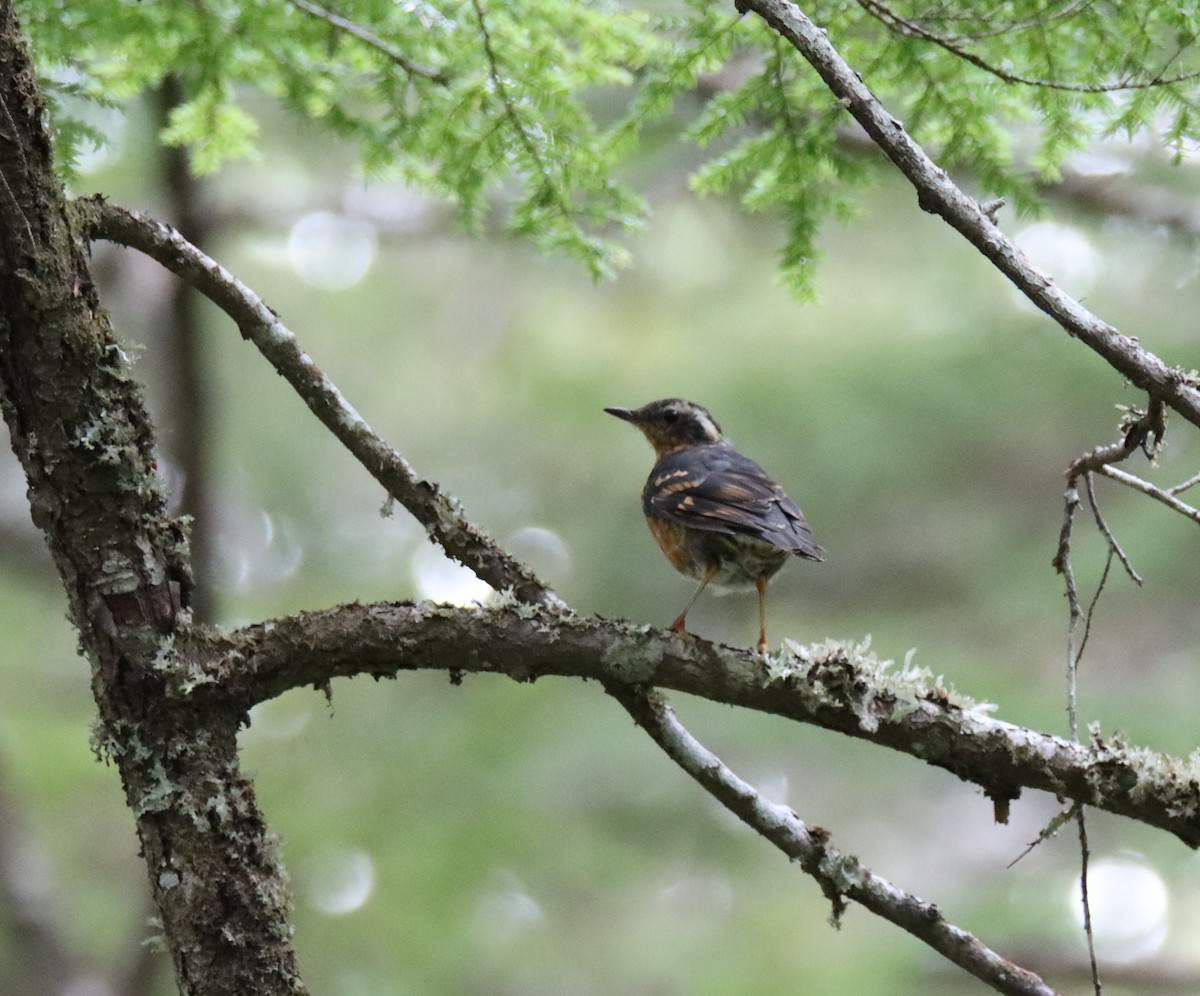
(622, 413)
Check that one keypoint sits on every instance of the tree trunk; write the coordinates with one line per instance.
(82, 434)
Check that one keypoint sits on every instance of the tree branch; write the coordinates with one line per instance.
(1167, 497)
(439, 513)
(839, 688)
(368, 38)
(904, 26)
(938, 194)
(839, 875)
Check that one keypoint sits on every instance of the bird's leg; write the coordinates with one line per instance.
(761, 585)
(677, 625)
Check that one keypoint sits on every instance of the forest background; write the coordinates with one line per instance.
(496, 837)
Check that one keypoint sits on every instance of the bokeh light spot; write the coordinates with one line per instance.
(339, 881)
(1063, 253)
(283, 718)
(506, 911)
(544, 551)
(439, 578)
(331, 251)
(256, 550)
(1130, 905)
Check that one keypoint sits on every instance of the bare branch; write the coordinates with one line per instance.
(1062, 564)
(1085, 854)
(1167, 497)
(839, 688)
(438, 512)
(1114, 548)
(938, 194)
(1053, 825)
(840, 876)
(1179, 489)
(1139, 431)
(374, 41)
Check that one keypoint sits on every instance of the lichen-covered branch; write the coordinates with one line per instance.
(437, 511)
(841, 688)
(840, 876)
(938, 194)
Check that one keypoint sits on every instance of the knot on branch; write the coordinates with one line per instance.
(1140, 430)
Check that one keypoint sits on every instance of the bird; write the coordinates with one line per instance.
(715, 514)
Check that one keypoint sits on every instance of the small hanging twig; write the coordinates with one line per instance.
(1139, 431)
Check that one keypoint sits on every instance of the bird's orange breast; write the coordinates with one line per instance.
(672, 539)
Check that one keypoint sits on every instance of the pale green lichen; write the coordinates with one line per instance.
(843, 871)
(193, 677)
(156, 941)
(187, 675)
(160, 795)
(163, 659)
(634, 662)
(845, 673)
(1156, 776)
(505, 600)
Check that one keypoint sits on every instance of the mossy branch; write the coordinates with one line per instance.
(839, 687)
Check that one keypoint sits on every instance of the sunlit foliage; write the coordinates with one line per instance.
(523, 113)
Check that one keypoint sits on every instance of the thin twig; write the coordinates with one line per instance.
(1091, 609)
(1062, 564)
(1084, 857)
(840, 876)
(1066, 11)
(374, 41)
(1075, 648)
(1179, 489)
(1139, 431)
(894, 22)
(1051, 829)
(528, 143)
(1114, 548)
(438, 512)
(1167, 497)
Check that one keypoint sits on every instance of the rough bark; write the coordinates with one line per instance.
(80, 429)
(837, 687)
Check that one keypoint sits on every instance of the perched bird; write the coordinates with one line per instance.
(715, 514)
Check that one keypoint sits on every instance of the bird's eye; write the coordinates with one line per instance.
(671, 416)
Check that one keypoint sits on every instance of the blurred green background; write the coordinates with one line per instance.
(497, 838)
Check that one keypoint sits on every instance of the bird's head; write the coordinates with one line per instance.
(672, 423)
